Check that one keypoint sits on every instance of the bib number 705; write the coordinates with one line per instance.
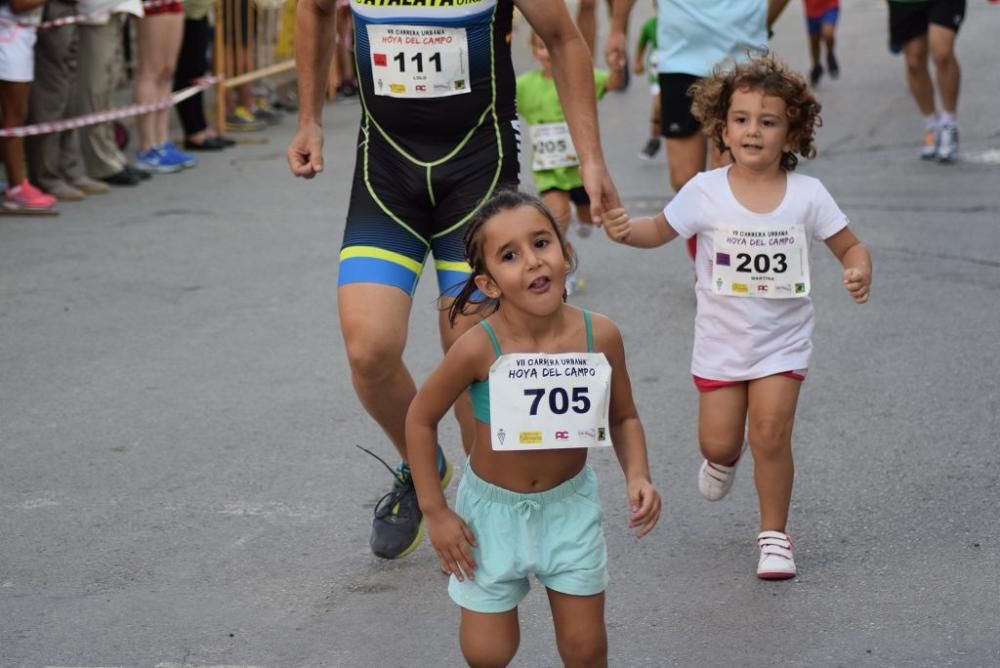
(560, 400)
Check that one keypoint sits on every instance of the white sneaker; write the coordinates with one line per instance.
(947, 150)
(715, 480)
(776, 562)
(932, 138)
(574, 284)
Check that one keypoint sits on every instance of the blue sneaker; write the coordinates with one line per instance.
(174, 154)
(152, 161)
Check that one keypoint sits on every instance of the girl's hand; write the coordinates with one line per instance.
(617, 225)
(645, 505)
(452, 540)
(858, 283)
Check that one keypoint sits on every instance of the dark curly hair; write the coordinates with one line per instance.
(503, 200)
(766, 73)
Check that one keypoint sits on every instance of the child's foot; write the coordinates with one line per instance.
(776, 562)
(815, 73)
(584, 229)
(715, 480)
(649, 151)
(26, 197)
(574, 284)
(832, 65)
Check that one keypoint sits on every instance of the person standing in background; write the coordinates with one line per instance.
(821, 24)
(54, 159)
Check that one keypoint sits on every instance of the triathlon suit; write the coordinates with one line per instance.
(438, 135)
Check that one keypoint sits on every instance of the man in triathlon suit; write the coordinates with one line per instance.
(438, 137)
(920, 28)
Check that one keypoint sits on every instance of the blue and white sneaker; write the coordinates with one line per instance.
(174, 154)
(155, 162)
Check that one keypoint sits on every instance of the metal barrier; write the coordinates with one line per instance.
(246, 37)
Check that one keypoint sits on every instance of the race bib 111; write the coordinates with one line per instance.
(412, 61)
(761, 263)
(542, 402)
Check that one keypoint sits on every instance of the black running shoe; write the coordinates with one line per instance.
(649, 151)
(814, 75)
(398, 526)
(832, 65)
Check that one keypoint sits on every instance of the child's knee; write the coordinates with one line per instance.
(485, 652)
(578, 649)
(769, 437)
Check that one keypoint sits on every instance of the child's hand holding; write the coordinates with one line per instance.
(452, 539)
(617, 225)
(858, 282)
(645, 506)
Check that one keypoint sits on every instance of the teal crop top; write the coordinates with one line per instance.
(480, 390)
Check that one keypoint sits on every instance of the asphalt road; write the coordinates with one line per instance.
(179, 485)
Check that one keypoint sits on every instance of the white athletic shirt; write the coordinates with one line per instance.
(742, 338)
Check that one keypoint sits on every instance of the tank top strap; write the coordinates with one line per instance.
(493, 336)
(590, 330)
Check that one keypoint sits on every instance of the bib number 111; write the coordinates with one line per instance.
(560, 400)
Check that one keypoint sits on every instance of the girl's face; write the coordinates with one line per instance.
(525, 263)
(756, 130)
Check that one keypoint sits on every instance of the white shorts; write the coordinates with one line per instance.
(17, 51)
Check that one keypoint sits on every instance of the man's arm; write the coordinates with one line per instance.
(774, 9)
(315, 29)
(572, 69)
(616, 45)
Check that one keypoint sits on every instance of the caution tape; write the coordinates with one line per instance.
(110, 114)
(81, 18)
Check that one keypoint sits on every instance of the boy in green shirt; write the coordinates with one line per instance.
(554, 162)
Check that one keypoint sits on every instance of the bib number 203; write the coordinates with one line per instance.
(560, 400)
(761, 263)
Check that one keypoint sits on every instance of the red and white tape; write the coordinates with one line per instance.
(110, 114)
(80, 18)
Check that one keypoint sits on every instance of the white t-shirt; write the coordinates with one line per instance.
(742, 338)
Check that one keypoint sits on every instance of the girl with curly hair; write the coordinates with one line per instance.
(754, 221)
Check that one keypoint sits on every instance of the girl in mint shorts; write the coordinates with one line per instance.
(548, 382)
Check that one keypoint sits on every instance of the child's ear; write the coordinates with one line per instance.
(487, 286)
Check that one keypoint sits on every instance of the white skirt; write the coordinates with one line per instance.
(17, 50)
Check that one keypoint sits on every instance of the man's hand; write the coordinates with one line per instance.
(616, 50)
(305, 153)
(600, 188)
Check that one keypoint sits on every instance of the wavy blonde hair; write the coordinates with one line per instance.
(769, 75)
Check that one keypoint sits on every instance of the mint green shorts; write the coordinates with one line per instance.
(557, 535)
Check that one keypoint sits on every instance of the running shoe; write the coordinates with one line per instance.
(776, 561)
(266, 113)
(649, 151)
(242, 119)
(947, 150)
(26, 197)
(815, 74)
(715, 480)
(584, 230)
(832, 65)
(932, 138)
(153, 161)
(398, 526)
(574, 284)
(175, 155)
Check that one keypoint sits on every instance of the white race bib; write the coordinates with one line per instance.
(765, 263)
(418, 61)
(541, 402)
(551, 146)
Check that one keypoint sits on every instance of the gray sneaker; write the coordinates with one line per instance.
(932, 138)
(948, 144)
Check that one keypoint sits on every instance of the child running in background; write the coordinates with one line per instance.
(645, 59)
(554, 161)
(17, 71)
(821, 23)
(548, 381)
(754, 221)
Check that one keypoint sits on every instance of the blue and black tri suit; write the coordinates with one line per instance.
(425, 166)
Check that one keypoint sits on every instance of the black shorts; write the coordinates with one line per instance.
(406, 204)
(676, 121)
(909, 20)
(577, 195)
